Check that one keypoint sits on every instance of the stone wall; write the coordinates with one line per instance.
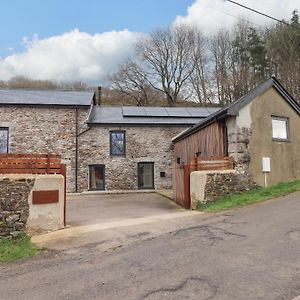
(208, 186)
(14, 206)
(143, 144)
(222, 184)
(44, 130)
(238, 149)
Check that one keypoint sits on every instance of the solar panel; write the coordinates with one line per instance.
(156, 112)
(131, 111)
(201, 111)
(178, 112)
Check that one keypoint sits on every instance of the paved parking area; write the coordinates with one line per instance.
(94, 209)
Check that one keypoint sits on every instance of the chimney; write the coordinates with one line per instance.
(99, 96)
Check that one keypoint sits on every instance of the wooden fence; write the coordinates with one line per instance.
(30, 164)
(212, 163)
(182, 172)
(34, 164)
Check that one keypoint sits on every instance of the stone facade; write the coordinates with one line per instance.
(238, 149)
(206, 186)
(143, 144)
(222, 184)
(48, 129)
(52, 129)
(14, 206)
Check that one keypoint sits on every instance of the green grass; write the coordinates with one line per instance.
(16, 248)
(250, 197)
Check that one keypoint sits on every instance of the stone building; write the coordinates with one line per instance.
(120, 148)
(260, 131)
(130, 147)
(44, 122)
(111, 148)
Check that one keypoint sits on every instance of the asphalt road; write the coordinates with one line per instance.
(248, 253)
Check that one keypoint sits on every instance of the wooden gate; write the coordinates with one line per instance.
(182, 172)
(181, 184)
(34, 164)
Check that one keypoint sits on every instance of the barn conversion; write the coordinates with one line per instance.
(120, 148)
(260, 131)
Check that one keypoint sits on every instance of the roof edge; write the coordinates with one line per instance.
(233, 108)
(46, 105)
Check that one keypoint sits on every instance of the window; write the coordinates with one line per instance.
(97, 177)
(146, 175)
(280, 128)
(3, 140)
(117, 143)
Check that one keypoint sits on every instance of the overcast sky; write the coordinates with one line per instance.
(64, 40)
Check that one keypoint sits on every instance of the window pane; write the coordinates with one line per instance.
(145, 175)
(279, 128)
(97, 177)
(3, 140)
(117, 143)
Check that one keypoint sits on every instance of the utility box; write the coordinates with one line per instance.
(266, 164)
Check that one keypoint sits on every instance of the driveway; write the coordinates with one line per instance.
(94, 209)
(248, 253)
(112, 219)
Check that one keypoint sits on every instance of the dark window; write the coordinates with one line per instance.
(97, 177)
(117, 143)
(146, 175)
(162, 174)
(3, 140)
(178, 160)
(280, 128)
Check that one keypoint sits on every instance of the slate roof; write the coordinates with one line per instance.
(45, 97)
(101, 115)
(233, 108)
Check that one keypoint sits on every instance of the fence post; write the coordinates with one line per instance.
(63, 171)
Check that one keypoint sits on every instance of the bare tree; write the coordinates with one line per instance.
(21, 82)
(74, 85)
(166, 60)
(130, 80)
(200, 79)
(220, 49)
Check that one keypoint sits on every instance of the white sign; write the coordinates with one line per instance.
(266, 164)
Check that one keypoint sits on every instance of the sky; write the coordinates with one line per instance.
(87, 40)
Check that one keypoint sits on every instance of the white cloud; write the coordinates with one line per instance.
(74, 55)
(211, 15)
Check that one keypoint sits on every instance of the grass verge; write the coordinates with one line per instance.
(250, 197)
(16, 248)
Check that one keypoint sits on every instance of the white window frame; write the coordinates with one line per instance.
(286, 122)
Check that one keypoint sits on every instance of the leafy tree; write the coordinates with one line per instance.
(257, 53)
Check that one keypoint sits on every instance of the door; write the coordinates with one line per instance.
(97, 177)
(146, 175)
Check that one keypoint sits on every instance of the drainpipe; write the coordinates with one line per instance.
(76, 150)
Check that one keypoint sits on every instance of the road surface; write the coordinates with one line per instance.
(247, 253)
